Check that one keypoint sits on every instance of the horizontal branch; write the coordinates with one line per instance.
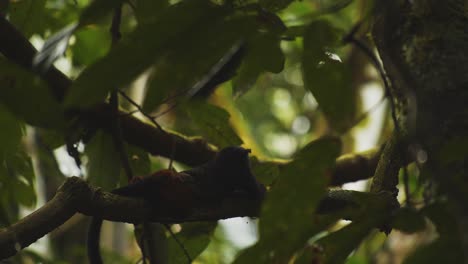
(190, 151)
(77, 196)
(355, 166)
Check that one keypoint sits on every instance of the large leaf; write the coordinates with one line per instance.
(11, 156)
(443, 250)
(195, 238)
(336, 247)
(453, 150)
(408, 220)
(147, 11)
(447, 248)
(103, 164)
(199, 59)
(92, 43)
(275, 5)
(17, 179)
(97, 10)
(139, 160)
(10, 134)
(326, 76)
(28, 16)
(137, 52)
(56, 45)
(288, 211)
(374, 210)
(213, 123)
(28, 97)
(263, 54)
(264, 171)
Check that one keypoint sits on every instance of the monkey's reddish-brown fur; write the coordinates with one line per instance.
(167, 190)
(178, 193)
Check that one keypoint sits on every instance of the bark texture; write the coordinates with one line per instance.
(423, 45)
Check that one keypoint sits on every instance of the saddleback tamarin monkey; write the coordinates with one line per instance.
(175, 192)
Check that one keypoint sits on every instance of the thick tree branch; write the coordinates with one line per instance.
(77, 196)
(355, 166)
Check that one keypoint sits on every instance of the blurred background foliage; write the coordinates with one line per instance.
(298, 82)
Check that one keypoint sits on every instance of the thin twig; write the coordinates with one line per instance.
(114, 100)
(140, 109)
(365, 114)
(165, 111)
(367, 51)
(386, 177)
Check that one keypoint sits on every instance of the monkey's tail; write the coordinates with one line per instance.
(94, 232)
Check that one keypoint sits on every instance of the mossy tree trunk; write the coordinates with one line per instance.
(423, 45)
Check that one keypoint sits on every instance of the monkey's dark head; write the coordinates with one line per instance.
(233, 158)
(234, 166)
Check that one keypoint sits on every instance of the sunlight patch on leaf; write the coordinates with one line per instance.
(327, 78)
(213, 123)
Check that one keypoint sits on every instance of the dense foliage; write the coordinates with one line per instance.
(148, 83)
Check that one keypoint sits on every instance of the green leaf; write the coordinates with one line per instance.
(97, 10)
(408, 220)
(454, 149)
(28, 97)
(374, 209)
(139, 160)
(103, 164)
(443, 218)
(137, 52)
(24, 193)
(195, 238)
(213, 123)
(192, 60)
(443, 250)
(337, 246)
(333, 6)
(17, 179)
(289, 209)
(51, 138)
(147, 11)
(263, 54)
(28, 16)
(264, 171)
(10, 134)
(326, 77)
(22, 164)
(92, 43)
(447, 248)
(275, 5)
